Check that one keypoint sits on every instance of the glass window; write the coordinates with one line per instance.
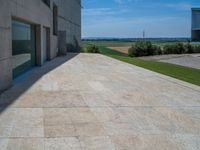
(195, 19)
(23, 47)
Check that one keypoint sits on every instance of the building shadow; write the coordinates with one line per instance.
(22, 83)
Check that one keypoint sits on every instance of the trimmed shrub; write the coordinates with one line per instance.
(148, 48)
(189, 48)
(132, 52)
(83, 50)
(196, 48)
(177, 48)
(93, 49)
(180, 48)
(157, 50)
(144, 48)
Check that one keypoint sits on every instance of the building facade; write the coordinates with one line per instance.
(196, 24)
(35, 31)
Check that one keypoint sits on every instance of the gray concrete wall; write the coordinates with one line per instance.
(38, 13)
(70, 21)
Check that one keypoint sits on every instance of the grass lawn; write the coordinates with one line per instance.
(179, 72)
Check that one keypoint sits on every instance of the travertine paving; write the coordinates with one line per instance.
(92, 102)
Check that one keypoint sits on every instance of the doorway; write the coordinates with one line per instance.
(46, 44)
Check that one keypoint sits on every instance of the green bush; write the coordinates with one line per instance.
(196, 48)
(180, 48)
(144, 48)
(157, 50)
(176, 48)
(189, 48)
(83, 50)
(132, 51)
(93, 49)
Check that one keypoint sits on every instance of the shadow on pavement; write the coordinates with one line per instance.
(22, 83)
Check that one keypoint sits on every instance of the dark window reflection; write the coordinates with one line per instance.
(23, 47)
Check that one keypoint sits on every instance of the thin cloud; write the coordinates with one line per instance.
(98, 12)
(125, 1)
(179, 6)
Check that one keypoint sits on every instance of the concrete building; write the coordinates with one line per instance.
(196, 24)
(35, 31)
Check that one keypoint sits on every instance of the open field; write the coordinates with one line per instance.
(115, 45)
(121, 46)
(123, 49)
(108, 43)
(128, 43)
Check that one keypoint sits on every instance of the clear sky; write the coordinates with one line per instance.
(128, 18)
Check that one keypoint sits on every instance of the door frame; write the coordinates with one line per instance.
(39, 43)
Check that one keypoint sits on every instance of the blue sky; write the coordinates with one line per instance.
(128, 18)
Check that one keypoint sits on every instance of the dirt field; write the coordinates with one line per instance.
(123, 49)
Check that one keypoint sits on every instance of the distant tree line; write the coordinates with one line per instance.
(161, 40)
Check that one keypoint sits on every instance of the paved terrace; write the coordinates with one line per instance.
(92, 102)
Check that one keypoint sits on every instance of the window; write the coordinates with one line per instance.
(55, 19)
(23, 47)
(47, 2)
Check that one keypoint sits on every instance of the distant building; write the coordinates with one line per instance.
(196, 24)
(35, 31)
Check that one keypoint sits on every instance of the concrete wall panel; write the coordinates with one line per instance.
(5, 14)
(70, 20)
(5, 74)
(5, 43)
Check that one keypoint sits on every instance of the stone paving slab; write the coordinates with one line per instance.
(92, 102)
